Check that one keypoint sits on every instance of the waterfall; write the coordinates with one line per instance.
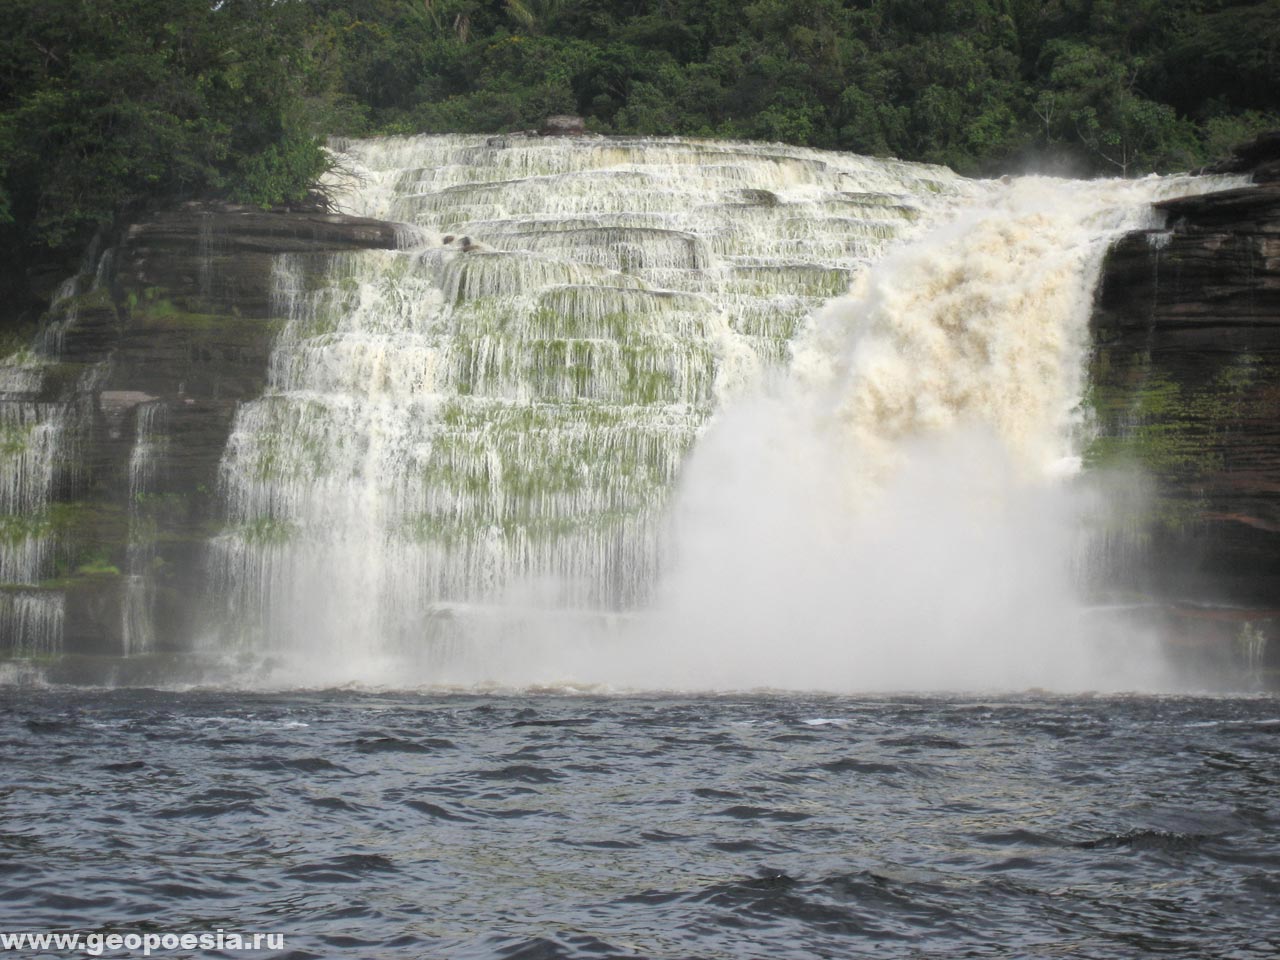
(595, 423)
(31, 442)
(498, 422)
(139, 601)
(907, 510)
(47, 410)
(37, 453)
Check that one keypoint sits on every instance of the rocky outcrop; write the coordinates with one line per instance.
(149, 361)
(1186, 387)
(563, 125)
(1260, 157)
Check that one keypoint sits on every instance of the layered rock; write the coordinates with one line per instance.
(1186, 386)
(143, 362)
(147, 358)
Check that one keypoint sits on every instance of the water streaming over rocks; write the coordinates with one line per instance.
(498, 414)
(571, 399)
(38, 446)
(907, 507)
(619, 411)
(492, 422)
(139, 604)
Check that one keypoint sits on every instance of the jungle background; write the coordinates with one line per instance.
(109, 105)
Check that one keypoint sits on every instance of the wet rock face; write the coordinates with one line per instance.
(150, 365)
(1186, 376)
(221, 255)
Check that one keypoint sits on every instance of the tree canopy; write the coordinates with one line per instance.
(106, 104)
(1089, 86)
(109, 102)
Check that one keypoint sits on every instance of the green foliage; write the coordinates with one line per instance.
(281, 171)
(981, 85)
(97, 564)
(1174, 430)
(113, 103)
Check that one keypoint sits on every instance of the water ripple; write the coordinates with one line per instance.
(719, 828)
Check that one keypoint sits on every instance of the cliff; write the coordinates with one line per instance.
(144, 362)
(1186, 387)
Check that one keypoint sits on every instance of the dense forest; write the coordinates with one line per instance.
(109, 104)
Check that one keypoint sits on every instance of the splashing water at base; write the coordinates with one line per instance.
(907, 510)
(463, 431)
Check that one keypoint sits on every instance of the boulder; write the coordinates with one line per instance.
(563, 125)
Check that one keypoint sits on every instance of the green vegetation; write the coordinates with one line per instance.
(266, 531)
(1146, 420)
(110, 104)
(98, 564)
(1112, 86)
(163, 312)
(113, 102)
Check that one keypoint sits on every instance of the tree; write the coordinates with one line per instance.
(1092, 100)
(112, 103)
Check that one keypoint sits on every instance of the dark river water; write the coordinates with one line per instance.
(371, 826)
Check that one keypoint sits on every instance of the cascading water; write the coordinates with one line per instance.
(139, 606)
(47, 409)
(488, 426)
(907, 510)
(37, 451)
(31, 443)
(457, 427)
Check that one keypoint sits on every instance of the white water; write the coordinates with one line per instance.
(446, 430)
(906, 511)
(138, 610)
(42, 431)
(462, 468)
(36, 448)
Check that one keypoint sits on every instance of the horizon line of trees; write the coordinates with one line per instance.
(106, 105)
